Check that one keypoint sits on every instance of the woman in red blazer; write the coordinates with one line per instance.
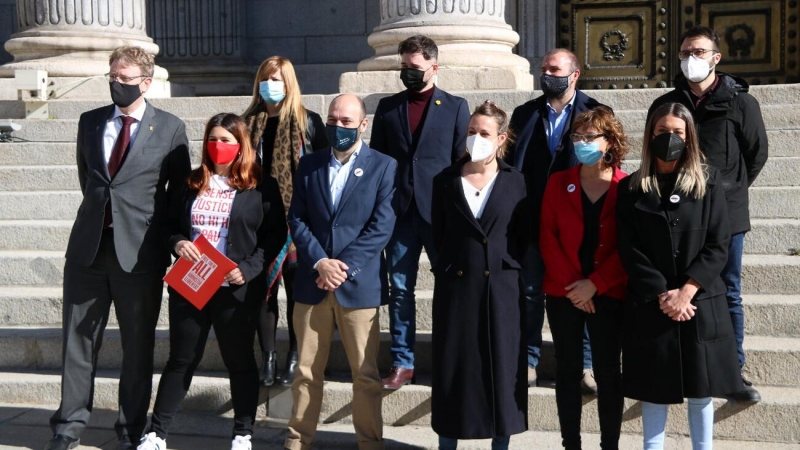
(584, 282)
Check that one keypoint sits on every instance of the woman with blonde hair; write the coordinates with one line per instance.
(481, 223)
(584, 281)
(281, 131)
(241, 215)
(673, 242)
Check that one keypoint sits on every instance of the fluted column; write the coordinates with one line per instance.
(72, 39)
(475, 46)
(201, 44)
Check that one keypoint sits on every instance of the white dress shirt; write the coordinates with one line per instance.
(476, 198)
(114, 126)
(338, 173)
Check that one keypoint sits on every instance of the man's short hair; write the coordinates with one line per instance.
(361, 104)
(419, 44)
(134, 56)
(700, 31)
(573, 59)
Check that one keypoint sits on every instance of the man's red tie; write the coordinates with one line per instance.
(117, 155)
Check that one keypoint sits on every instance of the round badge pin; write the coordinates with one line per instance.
(571, 188)
(675, 198)
(358, 172)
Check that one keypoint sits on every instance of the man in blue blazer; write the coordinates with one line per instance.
(543, 147)
(425, 129)
(341, 217)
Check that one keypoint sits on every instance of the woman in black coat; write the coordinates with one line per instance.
(242, 217)
(480, 225)
(673, 241)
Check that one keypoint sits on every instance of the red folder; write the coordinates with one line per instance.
(198, 281)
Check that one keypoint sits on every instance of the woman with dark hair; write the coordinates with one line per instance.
(673, 242)
(584, 281)
(281, 131)
(242, 216)
(480, 231)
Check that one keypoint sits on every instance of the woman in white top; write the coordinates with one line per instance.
(242, 216)
(480, 224)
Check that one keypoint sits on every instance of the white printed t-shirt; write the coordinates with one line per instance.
(211, 213)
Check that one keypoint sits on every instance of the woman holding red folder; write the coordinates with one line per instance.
(226, 201)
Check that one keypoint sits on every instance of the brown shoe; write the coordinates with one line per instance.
(397, 378)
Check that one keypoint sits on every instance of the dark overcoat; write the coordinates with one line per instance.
(479, 370)
(662, 245)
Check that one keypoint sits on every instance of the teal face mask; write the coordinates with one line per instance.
(588, 153)
(271, 91)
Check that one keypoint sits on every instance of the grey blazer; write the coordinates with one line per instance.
(141, 193)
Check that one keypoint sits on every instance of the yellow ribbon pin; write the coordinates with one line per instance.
(151, 128)
(438, 102)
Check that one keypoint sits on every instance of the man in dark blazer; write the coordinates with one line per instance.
(341, 218)
(543, 147)
(425, 129)
(131, 159)
(733, 139)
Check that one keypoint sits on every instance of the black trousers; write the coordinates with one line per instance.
(268, 315)
(605, 333)
(234, 327)
(88, 295)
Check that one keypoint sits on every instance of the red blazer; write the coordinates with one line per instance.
(561, 236)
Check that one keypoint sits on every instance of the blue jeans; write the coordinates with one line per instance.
(532, 277)
(732, 276)
(498, 443)
(411, 233)
(701, 424)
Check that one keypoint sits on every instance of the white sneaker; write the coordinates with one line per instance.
(152, 442)
(241, 443)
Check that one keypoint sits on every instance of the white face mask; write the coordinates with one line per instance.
(479, 148)
(695, 69)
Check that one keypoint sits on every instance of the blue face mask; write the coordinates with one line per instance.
(341, 138)
(588, 154)
(271, 91)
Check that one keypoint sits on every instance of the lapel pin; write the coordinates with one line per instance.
(438, 102)
(358, 172)
(571, 188)
(151, 128)
(675, 198)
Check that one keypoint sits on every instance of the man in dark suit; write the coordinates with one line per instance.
(131, 159)
(543, 147)
(341, 218)
(425, 129)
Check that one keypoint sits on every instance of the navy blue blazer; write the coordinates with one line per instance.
(355, 234)
(442, 141)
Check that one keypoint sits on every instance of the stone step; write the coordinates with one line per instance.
(26, 428)
(762, 274)
(768, 236)
(205, 107)
(775, 419)
(770, 361)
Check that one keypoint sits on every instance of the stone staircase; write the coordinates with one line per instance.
(39, 198)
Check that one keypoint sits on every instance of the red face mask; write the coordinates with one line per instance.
(222, 153)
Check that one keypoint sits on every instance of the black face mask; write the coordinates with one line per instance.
(668, 147)
(553, 86)
(413, 79)
(123, 95)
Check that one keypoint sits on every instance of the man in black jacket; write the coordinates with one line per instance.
(543, 147)
(734, 140)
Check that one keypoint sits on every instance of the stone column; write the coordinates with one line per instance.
(72, 40)
(202, 44)
(475, 46)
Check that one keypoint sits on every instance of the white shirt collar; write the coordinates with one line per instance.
(568, 105)
(137, 114)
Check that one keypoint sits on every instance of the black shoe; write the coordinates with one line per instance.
(61, 442)
(125, 443)
(748, 394)
(268, 371)
(287, 378)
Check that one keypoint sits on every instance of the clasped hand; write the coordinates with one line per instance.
(677, 304)
(332, 273)
(581, 293)
(188, 251)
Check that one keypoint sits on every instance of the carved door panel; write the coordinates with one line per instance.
(626, 44)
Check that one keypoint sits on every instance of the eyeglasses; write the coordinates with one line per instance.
(111, 77)
(697, 53)
(585, 138)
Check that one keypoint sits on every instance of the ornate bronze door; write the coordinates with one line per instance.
(633, 44)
